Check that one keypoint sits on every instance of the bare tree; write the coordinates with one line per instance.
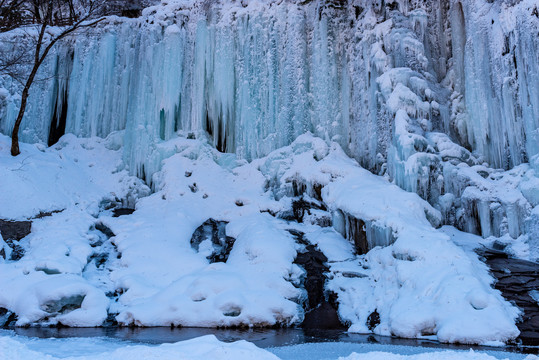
(70, 15)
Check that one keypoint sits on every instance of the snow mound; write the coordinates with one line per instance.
(384, 252)
(75, 171)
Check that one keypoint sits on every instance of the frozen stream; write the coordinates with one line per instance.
(93, 343)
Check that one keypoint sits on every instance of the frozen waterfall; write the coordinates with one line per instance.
(412, 91)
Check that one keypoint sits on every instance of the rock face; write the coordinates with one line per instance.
(7, 318)
(518, 280)
(320, 307)
(12, 232)
(211, 237)
(15, 230)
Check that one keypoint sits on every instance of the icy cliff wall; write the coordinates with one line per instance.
(255, 75)
(413, 89)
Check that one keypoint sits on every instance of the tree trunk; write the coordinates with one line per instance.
(39, 58)
(15, 135)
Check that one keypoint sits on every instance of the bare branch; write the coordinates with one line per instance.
(47, 13)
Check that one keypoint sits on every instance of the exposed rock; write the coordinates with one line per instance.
(322, 317)
(43, 214)
(214, 232)
(517, 280)
(352, 229)
(302, 207)
(373, 320)
(17, 251)
(320, 310)
(364, 235)
(63, 305)
(15, 230)
(7, 318)
(122, 211)
(104, 229)
(110, 321)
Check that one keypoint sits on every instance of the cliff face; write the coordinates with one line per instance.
(433, 94)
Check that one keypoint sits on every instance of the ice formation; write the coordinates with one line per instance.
(385, 80)
(390, 118)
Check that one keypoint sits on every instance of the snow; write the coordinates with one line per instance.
(61, 280)
(19, 347)
(79, 171)
(402, 87)
(206, 347)
(394, 121)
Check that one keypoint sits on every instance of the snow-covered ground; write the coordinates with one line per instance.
(440, 96)
(209, 347)
(81, 264)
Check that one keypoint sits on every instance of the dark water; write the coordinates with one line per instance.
(263, 338)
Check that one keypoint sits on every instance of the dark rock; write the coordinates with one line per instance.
(110, 321)
(122, 211)
(356, 233)
(43, 214)
(214, 231)
(515, 278)
(104, 229)
(7, 318)
(355, 230)
(300, 207)
(298, 188)
(529, 338)
(234, 311)
(63, 305)
(99, 259)
(17, 251)
(373, 320)
(494, 254)
(317, 192)
(322, 317)
(320, 307)
(15, 230)
(352, 275)
(498, 246)
(48, 270)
